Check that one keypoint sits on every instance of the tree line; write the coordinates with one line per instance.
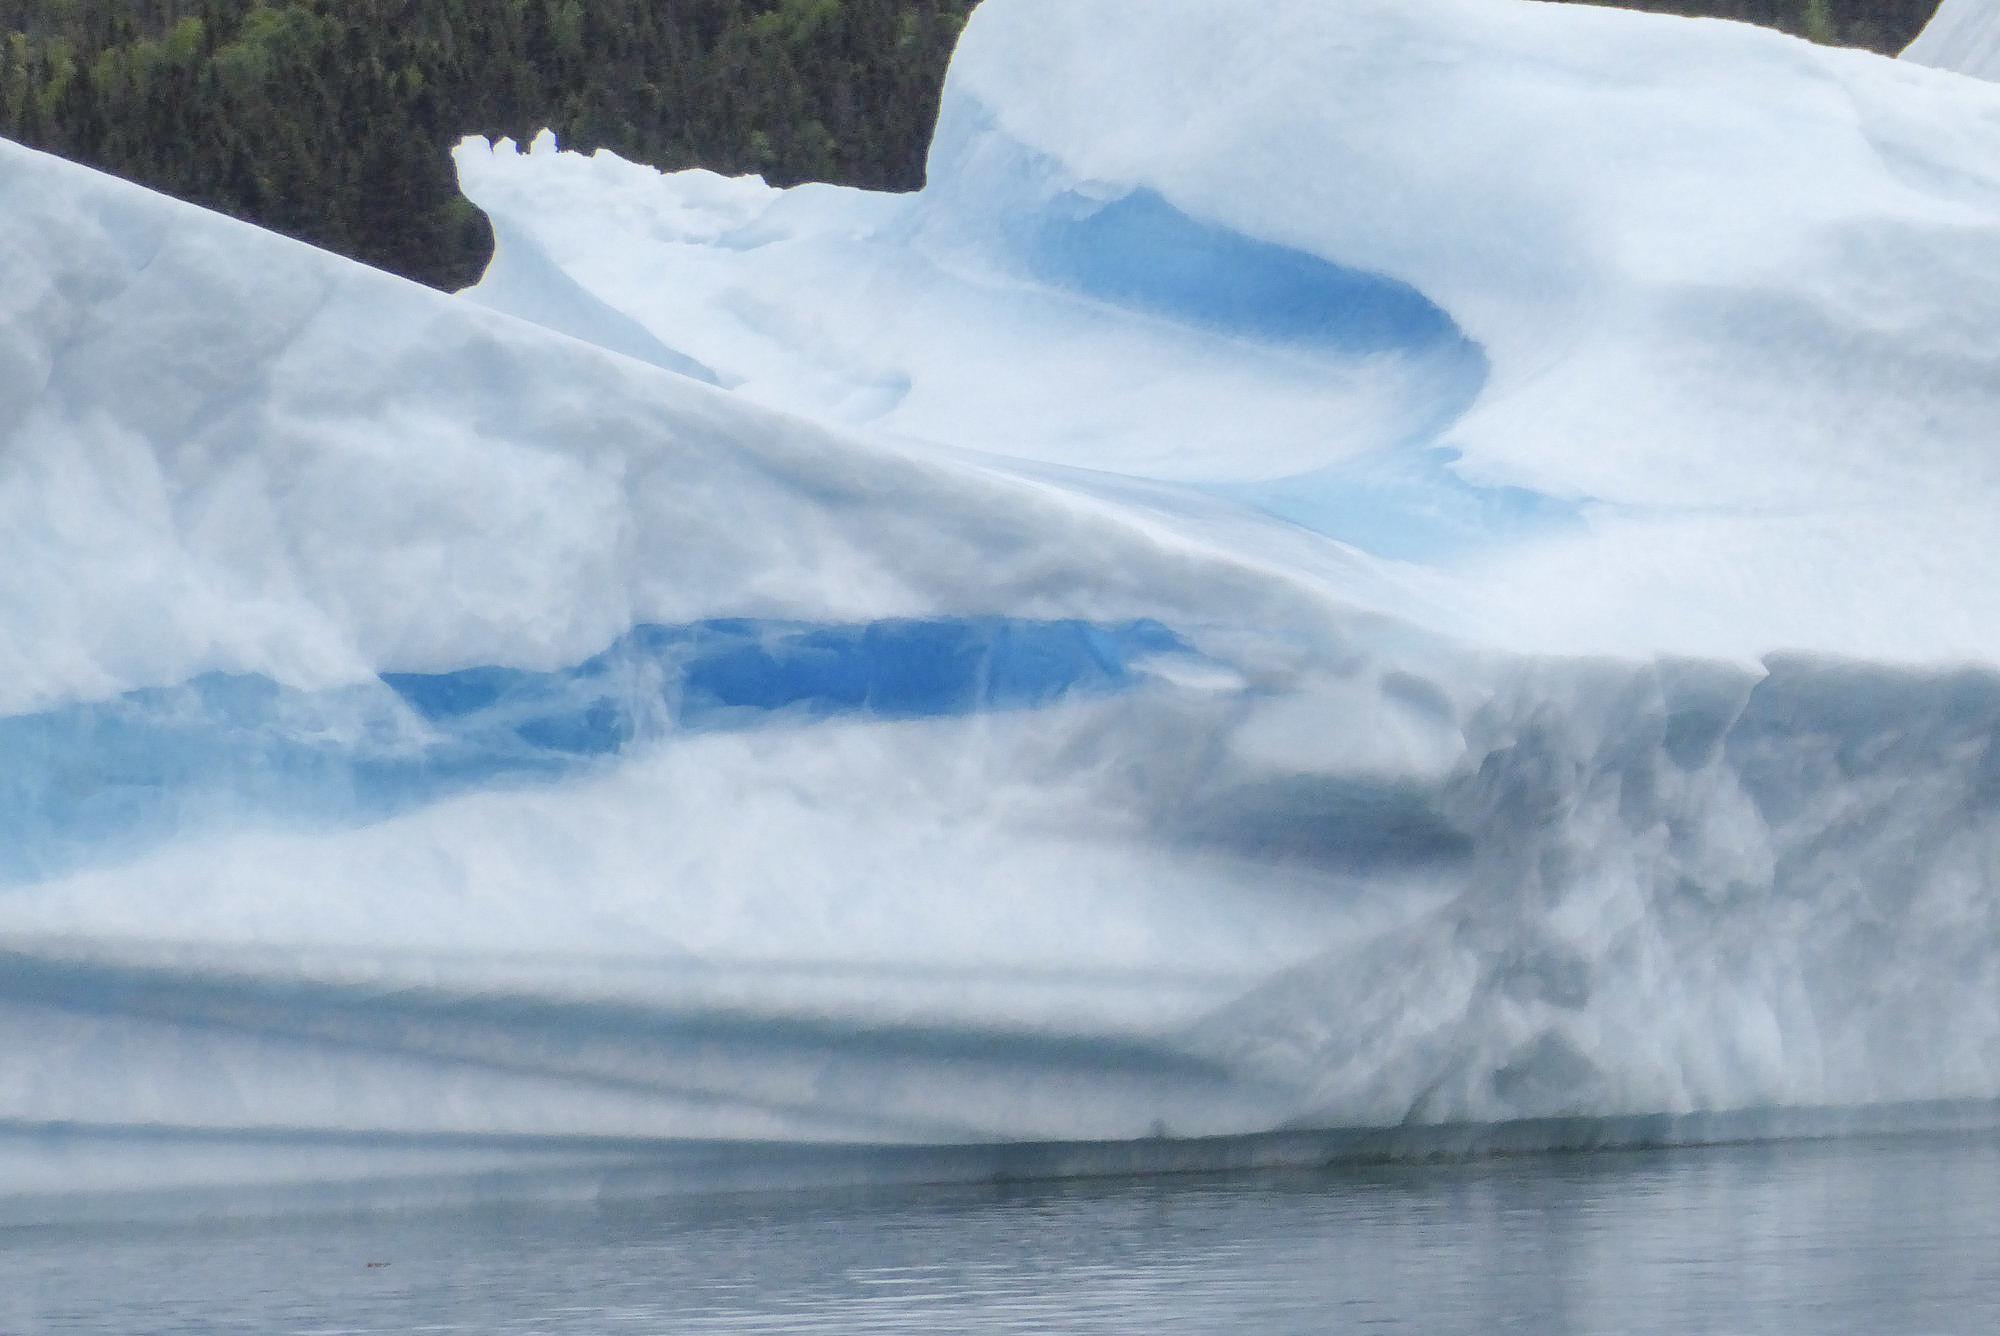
(1886, 26)
(331, 120)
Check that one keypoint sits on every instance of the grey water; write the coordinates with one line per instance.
(1887, 1236)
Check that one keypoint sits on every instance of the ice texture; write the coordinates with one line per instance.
(1964, 35)
(1346, 575)
(1681, 319)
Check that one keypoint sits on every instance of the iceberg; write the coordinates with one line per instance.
(1352, 577)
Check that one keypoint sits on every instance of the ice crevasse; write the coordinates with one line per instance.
(1345, 574)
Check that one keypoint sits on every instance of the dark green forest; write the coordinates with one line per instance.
(331, 120)
(1878, 25)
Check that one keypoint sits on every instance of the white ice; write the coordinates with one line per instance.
(1357, 565)
(1724, 345)
(1964, 35)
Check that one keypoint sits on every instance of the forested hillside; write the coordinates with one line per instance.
(330, 120)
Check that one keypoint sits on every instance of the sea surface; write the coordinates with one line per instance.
(1884, 1236)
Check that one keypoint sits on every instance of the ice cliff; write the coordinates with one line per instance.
(1345, 566)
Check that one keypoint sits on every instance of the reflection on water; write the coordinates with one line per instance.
(1874, 1236)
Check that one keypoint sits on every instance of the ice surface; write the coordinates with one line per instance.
(1963, 35)
(1357, 566)
(1677, 318)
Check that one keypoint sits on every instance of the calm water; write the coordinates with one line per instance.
(1875, 1236)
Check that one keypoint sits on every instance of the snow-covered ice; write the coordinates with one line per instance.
(1677, 317)
(1360, 565)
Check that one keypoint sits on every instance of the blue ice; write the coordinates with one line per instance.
(1140, 252)
(85, 783)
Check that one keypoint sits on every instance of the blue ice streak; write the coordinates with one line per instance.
(84, 783)
(1140, 252)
